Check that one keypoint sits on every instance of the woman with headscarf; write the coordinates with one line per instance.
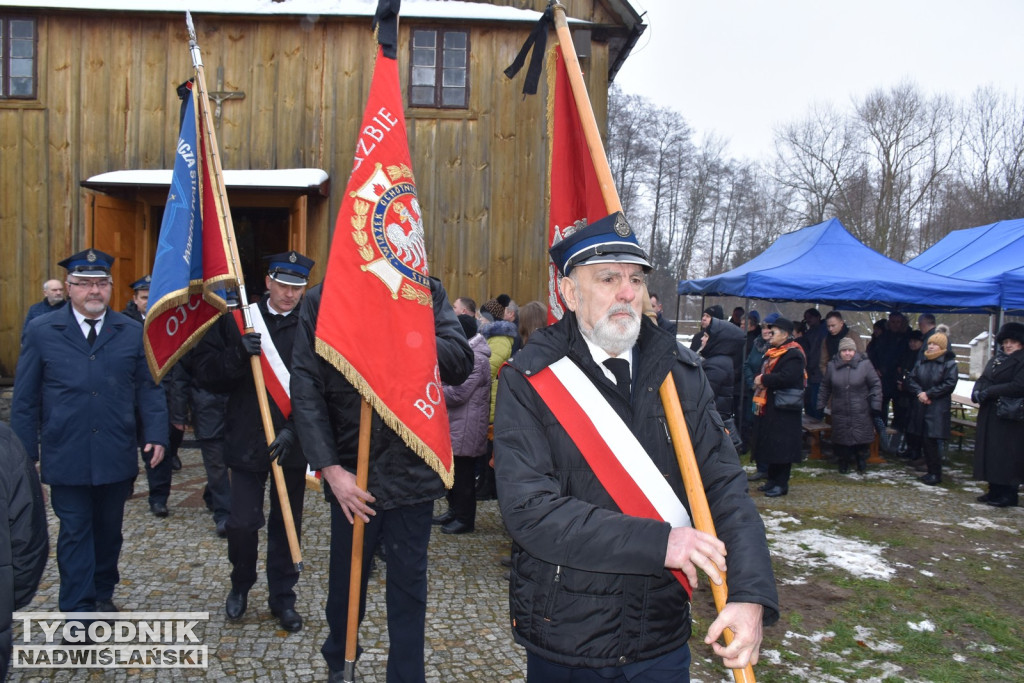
(999, 448)
(779, 431)
(856, 393)
(932, 382)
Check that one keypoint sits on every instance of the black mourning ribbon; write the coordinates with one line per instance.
(538, 42)
(619, 368)
(385, 21)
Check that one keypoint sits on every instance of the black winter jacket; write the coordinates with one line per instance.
(937, 378)
(326, 408)
(24, 543)
(588, 584)
(221, 365)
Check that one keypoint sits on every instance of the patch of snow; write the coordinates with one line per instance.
(814, 548)
(927, 573)
(925, 625)
(981, 523)
(959, 658)
(814, 637)
(864, 635)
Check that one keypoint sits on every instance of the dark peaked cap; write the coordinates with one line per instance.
(88, 263)
(289, 268)
(609, 240)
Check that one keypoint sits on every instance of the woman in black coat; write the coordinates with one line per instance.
(779, 432)
(932, 382)
(999, 448)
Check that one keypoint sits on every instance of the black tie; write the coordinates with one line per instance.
(619, 368)
(91, 337)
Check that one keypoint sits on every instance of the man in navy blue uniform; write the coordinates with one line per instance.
(222, 364)
(81, 384)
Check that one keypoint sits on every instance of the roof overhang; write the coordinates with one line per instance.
(295, 180)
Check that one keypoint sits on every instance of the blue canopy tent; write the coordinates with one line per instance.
(992, 254)
(826, 264)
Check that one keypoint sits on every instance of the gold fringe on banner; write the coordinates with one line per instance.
(331, 355)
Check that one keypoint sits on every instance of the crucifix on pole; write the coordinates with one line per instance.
(220, 94)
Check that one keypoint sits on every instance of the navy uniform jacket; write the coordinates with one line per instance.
(75, 407)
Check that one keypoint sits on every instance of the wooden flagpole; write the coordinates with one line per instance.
(702, 519)
(221, 201)
(355, 584)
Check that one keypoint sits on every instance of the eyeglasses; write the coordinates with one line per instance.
(86, 285)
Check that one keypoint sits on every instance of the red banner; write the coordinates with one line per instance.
(376, 319)
(574, 191)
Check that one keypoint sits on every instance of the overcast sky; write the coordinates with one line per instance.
(741, 67)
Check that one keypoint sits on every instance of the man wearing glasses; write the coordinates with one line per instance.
(81, 384)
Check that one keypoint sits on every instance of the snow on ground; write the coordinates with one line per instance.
(980, 523)
(814, 548)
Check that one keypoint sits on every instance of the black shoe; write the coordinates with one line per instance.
(1003, 502)
(776, 491)
(844, 469)
(984, 498)
(289, 619)
(930, 479)
(175, 463)
(457, 527)
(222, 528)
(506, 562)
(765, 486)
(234, 606)
(158, 509)
(335, 675)
(757, 476)
(106, 606)
(448, 516)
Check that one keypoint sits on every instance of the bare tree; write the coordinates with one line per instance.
(911, 143)
(815, 158)
(628, 146)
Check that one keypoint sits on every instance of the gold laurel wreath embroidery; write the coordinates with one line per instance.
(399, 171)
(412, 294)
(359, 236)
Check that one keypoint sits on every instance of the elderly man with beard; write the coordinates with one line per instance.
(604, 556)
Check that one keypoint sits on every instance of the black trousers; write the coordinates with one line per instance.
(217, 495)
(159, 477)
(932, 456)
(405, 533)
(462, 497)
(244, 524)
(778, 475)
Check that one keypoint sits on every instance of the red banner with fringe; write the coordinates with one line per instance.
(376, 320)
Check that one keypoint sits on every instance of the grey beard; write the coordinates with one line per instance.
(610, 336)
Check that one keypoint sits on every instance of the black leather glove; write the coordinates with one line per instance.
(975, 396)
(251, 343)
(282, 445)
(982, 396)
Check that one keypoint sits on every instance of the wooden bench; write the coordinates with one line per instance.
(814, 429)
(960, 422)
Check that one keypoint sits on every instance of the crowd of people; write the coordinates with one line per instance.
(539, 416)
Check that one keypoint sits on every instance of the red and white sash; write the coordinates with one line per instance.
(611, 450)
(275, 373)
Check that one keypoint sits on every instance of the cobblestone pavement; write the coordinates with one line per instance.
(179, 564)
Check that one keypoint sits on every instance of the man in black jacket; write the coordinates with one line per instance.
(24, 543)
(592, 495)
(222, 364)
(402, 488)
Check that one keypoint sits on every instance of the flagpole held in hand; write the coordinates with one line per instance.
(358, 528)
(220, 201)
(695, 495)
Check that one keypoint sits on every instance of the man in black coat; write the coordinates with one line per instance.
(159, 477)
(594, 590)
(398, 504)
(222, 364)
(24, 543)
(53, 300)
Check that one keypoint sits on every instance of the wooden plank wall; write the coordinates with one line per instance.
(108, 102)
